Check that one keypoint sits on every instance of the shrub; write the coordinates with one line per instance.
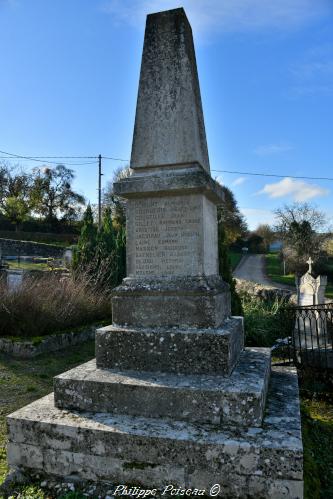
(48, 304)
(101, 253)
(265, 321)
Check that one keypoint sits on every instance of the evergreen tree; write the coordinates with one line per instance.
(225, 270)
(84, 252)
(100, 253)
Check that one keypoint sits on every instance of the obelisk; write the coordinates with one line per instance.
(169, 125)
(173, 401)
(172, 261)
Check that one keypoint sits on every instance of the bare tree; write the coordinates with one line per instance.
(303, 229)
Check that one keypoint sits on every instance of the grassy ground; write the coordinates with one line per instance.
(274, 271)
(317, 432)
(234, 259)
(15, 265)
(23, 381)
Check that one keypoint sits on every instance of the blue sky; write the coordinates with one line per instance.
(69, 78)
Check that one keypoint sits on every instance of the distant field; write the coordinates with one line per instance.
(14, 264)
(234, 259)
(274, 271)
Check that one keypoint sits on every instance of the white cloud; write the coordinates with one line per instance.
(239, 181)
(270, 149)
(255, 216)
(225, 15)
(297, 189)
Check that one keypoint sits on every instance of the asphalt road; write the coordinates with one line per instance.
(252, 268)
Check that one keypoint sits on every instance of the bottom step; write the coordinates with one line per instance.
(254, 462)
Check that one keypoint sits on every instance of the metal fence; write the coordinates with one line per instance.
(308, 336)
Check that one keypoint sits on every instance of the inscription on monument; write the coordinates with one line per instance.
(166, 236)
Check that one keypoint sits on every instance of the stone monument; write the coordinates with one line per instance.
(311, 330)
(173, 398)
(311, 290)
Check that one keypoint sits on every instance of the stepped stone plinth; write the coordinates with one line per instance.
(175, 350)
(173, 396)
(238, 399)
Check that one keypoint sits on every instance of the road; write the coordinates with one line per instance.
(252, 268)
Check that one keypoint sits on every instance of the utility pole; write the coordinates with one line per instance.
(99, 190)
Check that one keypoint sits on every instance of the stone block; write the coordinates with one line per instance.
(235, 400)
(247, 462)
(171, 236)
(197, 302)
(171, 350)
(169, 124)
(175, 180)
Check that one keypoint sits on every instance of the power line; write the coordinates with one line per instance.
(47, 157)
(273, 175)
(41, 159)
(46, 162)
(113, 159)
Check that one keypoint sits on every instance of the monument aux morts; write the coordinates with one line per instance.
(173, 396)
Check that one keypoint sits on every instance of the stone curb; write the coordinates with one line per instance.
(51, 343)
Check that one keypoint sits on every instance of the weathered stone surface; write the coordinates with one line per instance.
(248, 462)
(169, 124)
(238, 399)
(182, 302)
(51, 343)
(188, 351)
(171, 328)
(171, 236)
(170, 180)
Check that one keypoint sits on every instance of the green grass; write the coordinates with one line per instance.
(234, 258)
(15, 265)
(23, 381)
(263, 324)
(317, 432)
(275, 272)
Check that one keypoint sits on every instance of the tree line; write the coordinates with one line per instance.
(42, 193)
(302, 230)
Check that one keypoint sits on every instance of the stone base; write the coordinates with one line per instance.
(254, 462)
(199, 302)
(171, 350)
(235, 400)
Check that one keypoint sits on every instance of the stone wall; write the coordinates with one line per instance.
(11, 247)
(263, 292)
(28, 349)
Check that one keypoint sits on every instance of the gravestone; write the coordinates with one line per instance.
(311, 327)
(311, 290)
(173, 399)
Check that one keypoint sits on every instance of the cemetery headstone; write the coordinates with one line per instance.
(311, 327)
(311, 290)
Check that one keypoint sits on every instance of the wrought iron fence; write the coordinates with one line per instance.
(308, 337)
